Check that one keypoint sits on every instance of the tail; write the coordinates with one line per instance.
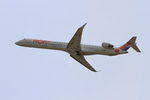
(130, 43)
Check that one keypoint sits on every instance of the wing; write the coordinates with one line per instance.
(82, 60)
(74, 48)
(74, 43)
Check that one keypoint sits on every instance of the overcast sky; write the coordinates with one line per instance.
(37, 74)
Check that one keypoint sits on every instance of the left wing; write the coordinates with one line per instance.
(74, 43)
(82, 60)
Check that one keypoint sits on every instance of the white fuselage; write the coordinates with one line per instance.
(85, 49)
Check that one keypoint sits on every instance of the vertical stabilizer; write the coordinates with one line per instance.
(130, 43)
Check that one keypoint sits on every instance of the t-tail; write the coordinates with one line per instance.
(130, 43)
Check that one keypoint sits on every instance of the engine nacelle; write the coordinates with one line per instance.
(107, 45)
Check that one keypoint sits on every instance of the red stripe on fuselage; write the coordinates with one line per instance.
(41, 41)
(125, 45)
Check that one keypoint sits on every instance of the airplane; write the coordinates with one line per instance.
(77, 50)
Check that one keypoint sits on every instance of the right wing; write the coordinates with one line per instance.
(82, 60)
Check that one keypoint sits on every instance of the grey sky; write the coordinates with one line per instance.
(36, 74)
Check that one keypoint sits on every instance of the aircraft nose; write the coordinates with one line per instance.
(19, 42)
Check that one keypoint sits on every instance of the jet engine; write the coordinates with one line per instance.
(107, 45)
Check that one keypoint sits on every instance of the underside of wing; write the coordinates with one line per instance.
(83, 61)
(74, 43)
(74, 49)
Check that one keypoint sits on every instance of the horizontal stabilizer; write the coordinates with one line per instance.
(135, 47)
